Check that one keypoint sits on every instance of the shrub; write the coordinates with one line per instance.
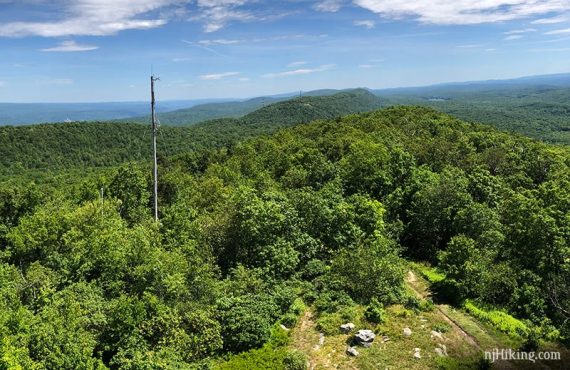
(372, 269)
(375, 312)
(329, 323)
(448, 291)
(265, 358)
(348, 313)
(289, 320)
(246, 321)
(295, 361)
(314, 268)
(284, 296)
(442, 327)
(332, 301)
(298, 307)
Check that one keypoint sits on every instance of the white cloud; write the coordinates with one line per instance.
(490, 49)
(217, 13)
(552, 20)
(243, 79)
(302, 71)
(71, 46)
(179, 60)
(210, 50)
(366, 66)
(558, 32)
(366, 23)
(549, 50)
(60, 81)
(92, 18)
(517, 32)
(513, 37)
(2, 83)
(331, 6)
(296, 64)
(219, 42)
(470, 46)
(218, 76)
(446, 12)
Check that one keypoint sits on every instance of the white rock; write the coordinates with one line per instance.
(351, 351)
(284, 327)
(347, 328)
(321, 339)
(443, 348)
(364, 337)
(417, 353)
(436, 334)
(439, 352)
(407, 332)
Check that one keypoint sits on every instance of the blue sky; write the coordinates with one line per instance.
(103, 50)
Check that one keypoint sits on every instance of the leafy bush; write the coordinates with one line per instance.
(329, 323)
(289, 320)
(295, 361)
(313, 269)
(298, 307)
(332, 301)
(375, 312)
(372, 269)
(246, 321)
(265, 358)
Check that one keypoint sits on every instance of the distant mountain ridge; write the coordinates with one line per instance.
(101, 144)
(229, 109)
(536, 106)
(183, 112)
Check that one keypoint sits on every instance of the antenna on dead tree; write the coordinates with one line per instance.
(154, 132)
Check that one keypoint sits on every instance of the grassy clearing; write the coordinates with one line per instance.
(465, 335)
(396, 353)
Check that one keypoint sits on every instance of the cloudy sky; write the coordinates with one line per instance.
(105, 50)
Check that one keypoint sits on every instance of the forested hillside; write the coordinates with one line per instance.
(540, 110)
(61, 146)
(323, 215)
(343, 102)
(209, 111)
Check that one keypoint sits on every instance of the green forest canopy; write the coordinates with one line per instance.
(324, 212)
(70, 145)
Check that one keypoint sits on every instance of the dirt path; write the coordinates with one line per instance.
(322, 352)
(412, 281)
(421, 289)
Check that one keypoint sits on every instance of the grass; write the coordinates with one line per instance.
(501, 320)
(431, 274)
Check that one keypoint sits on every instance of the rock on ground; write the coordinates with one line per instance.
(347, 328)
(364, 338)
(436, 334)
(417, 353)
(351, 351)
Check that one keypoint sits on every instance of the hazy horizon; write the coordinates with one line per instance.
(206, 100)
